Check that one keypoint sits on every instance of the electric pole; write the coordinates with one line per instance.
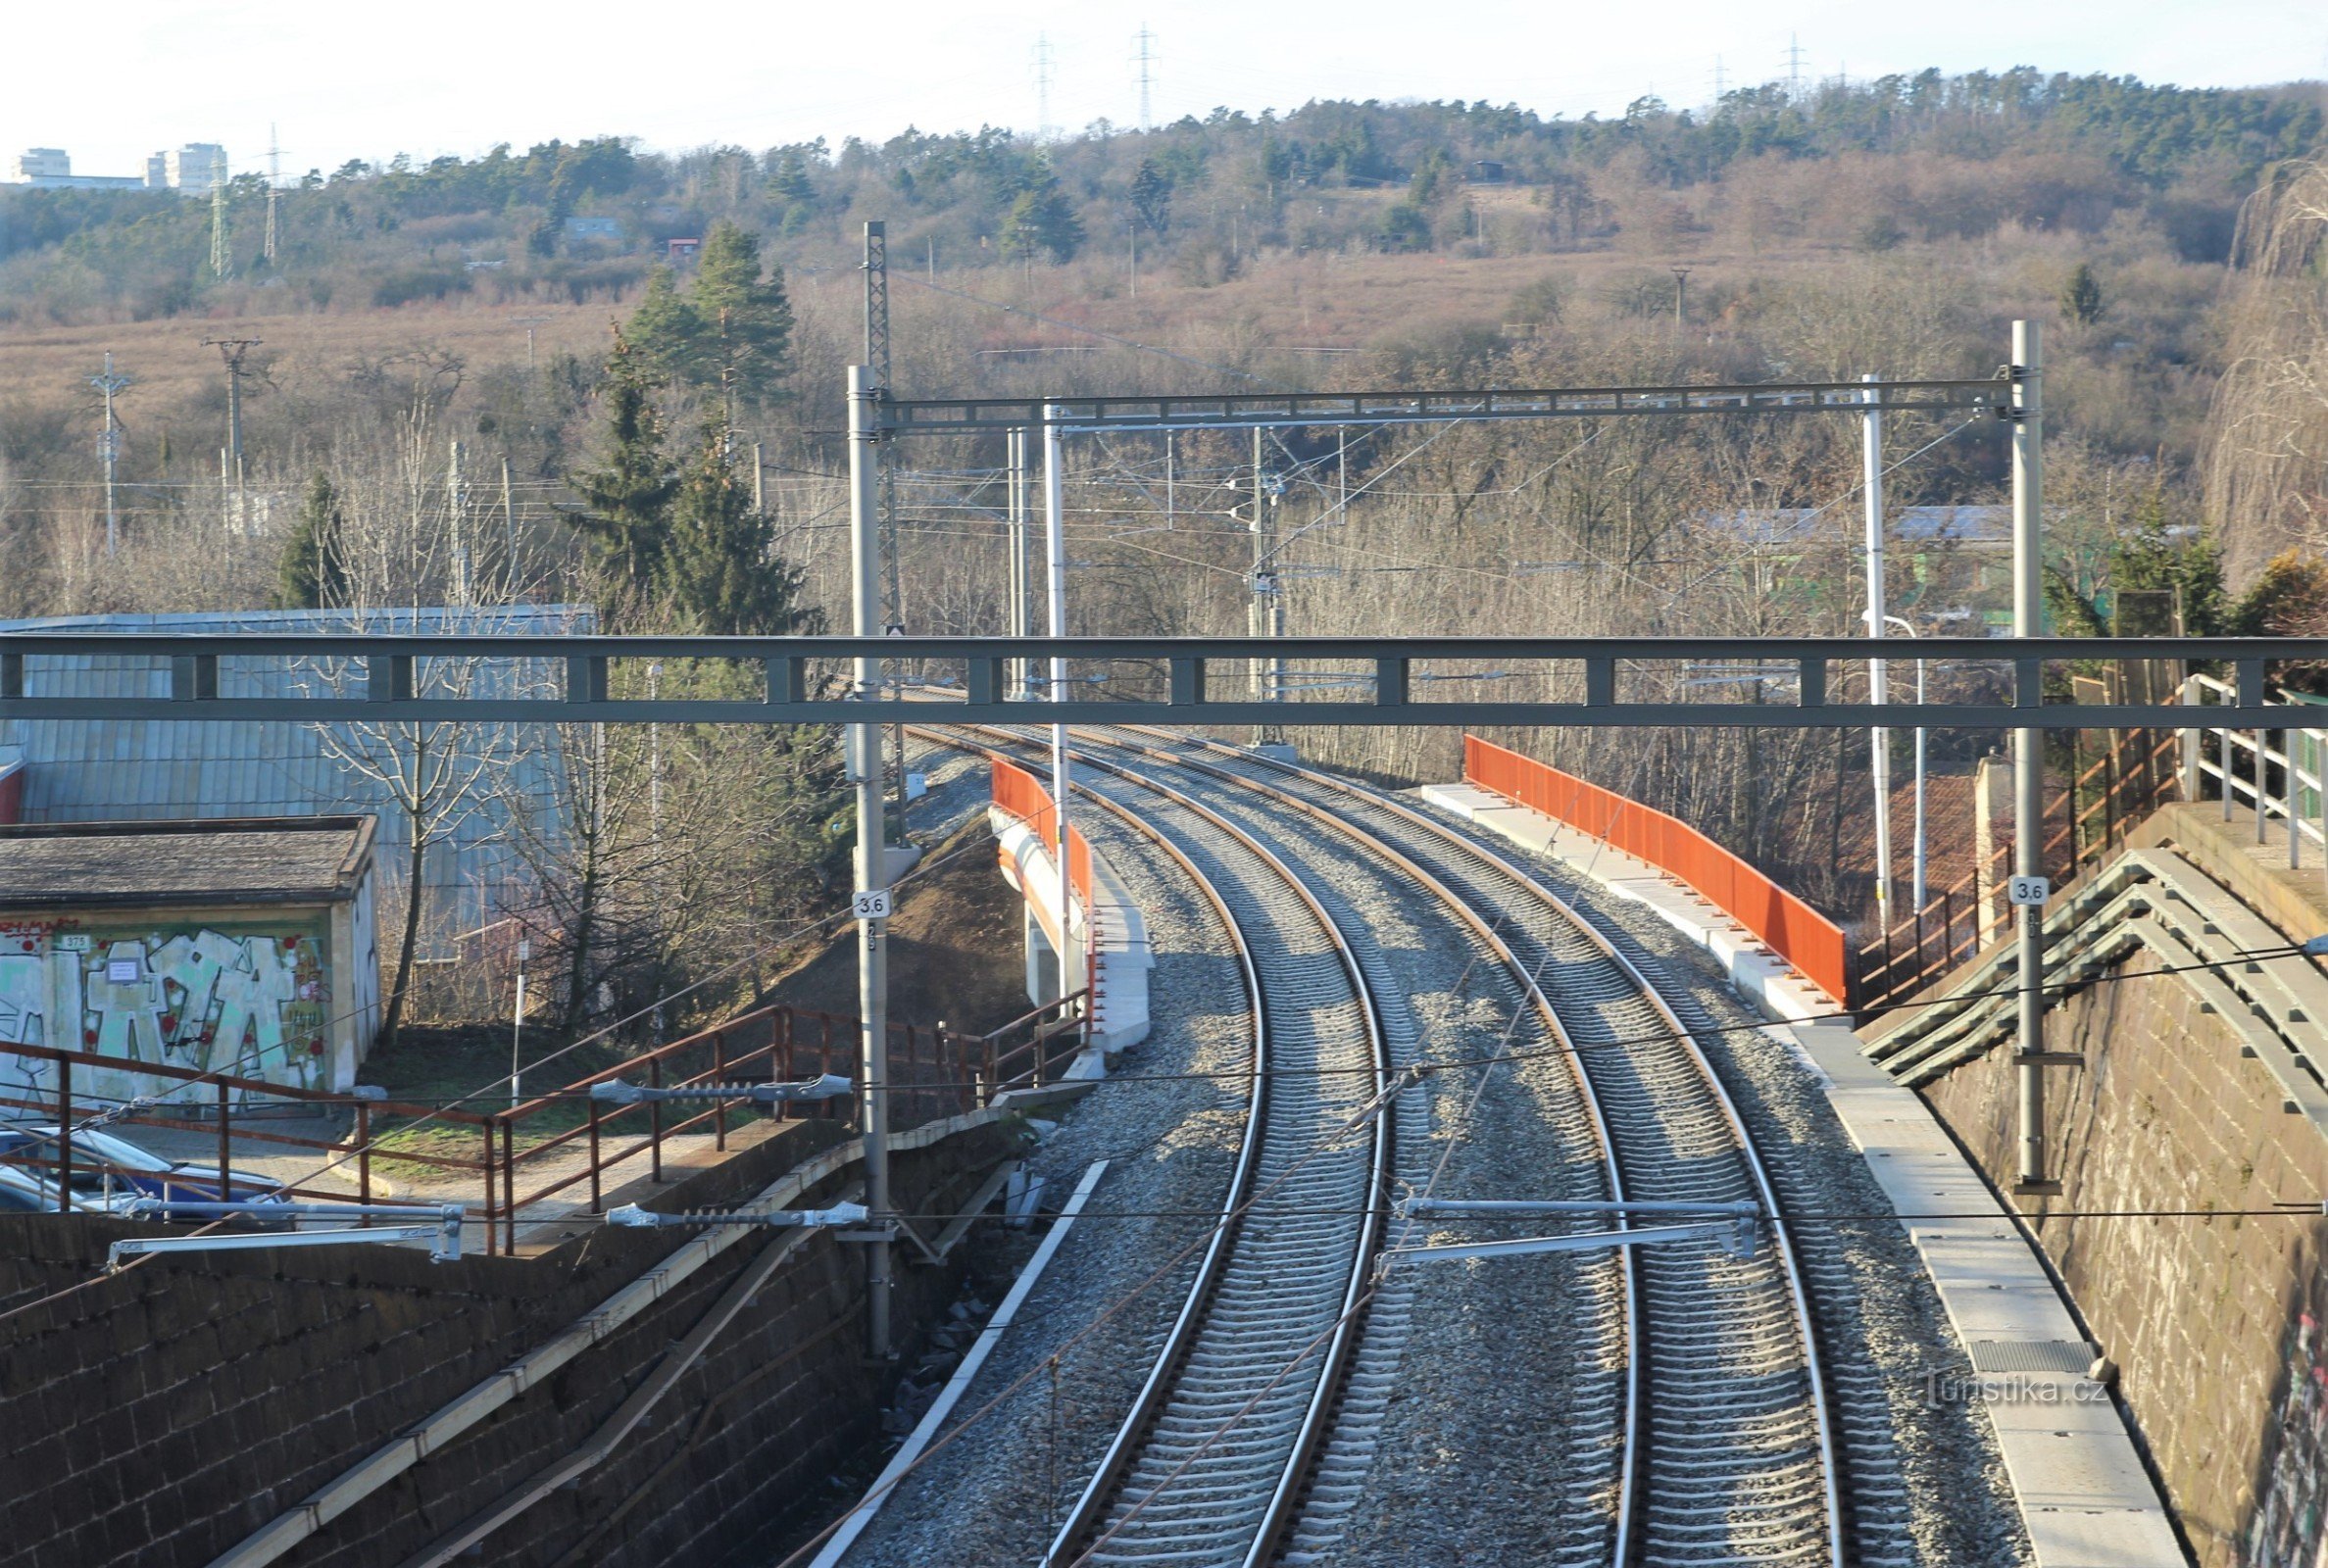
(876, 358)
(529, 322)
(275, 180)
(1145, 42)
(509, 526)
(2030, 891)
(232, 350)
(1267, 617)
(1878, 671)
(109, 448)
(872, 904)
(455, 511)
(1021, 598)
(222, 259)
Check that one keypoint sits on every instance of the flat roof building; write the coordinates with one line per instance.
(242, 946)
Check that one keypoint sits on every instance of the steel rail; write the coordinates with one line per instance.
(1628, 1463)
(1088, 1522)
(1802, 1324)
(1180, 1337)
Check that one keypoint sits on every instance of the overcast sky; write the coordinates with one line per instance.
(429, 76)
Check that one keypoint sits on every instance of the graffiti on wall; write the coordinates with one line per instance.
(250, 1000)
(2285, 1526)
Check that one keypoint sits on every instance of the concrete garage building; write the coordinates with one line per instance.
(242, 946)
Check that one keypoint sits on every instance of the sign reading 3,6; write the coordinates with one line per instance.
(870, 906)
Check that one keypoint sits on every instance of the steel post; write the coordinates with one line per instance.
(872, 855)
(1055, 549)
(2028, 753)
(1879, 739)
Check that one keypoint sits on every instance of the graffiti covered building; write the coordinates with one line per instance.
(238, 946)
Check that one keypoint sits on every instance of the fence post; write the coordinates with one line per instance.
(720, 1076)
(508, 1182)
(225, 1162)
(2262, 799)
(492, 1231)
(782, 1026)
(363, 1151)
(64, 1137)
(655, 1122)
(2293, 800)
(597, 1198)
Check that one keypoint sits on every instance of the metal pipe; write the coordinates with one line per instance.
(2028, 753)
(872, 905)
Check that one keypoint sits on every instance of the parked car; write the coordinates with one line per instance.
(26, 1191)
(111, 1173)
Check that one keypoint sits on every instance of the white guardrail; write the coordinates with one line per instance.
(2301, 804)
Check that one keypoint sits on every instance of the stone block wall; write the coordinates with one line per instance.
(2213, 1321)
(158, 1417)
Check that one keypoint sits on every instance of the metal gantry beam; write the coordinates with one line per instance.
(1352, 680)
(1256, 410)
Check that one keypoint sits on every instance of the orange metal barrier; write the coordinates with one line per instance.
(1023, 794)
(1792, 929)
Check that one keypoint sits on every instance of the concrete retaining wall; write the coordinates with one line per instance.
(158, 1417)
(2213, 1322)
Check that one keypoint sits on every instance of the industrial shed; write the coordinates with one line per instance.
(237, 946)
(111, 769)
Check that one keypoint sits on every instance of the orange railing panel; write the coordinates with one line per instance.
(1791, 928)
(1023, 796)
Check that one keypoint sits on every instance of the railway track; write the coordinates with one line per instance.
(1715, 1441)
(1205, 1466)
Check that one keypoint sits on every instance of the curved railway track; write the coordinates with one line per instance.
(1208, 1464)
(1715, 1439)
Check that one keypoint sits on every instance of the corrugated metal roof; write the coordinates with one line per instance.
(85, 770)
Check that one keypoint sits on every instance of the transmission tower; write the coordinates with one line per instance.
(1721, 82)
(1145, 42)
(1043, 73)
(222, 260)
(274, 180)
(109, 447)
(1794, 65)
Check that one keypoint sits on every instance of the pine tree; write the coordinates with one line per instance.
(1152, 195)
(730, 330)
(665, 334)
(720, 574)
(2081, 297)
(312, 573)
(1042, 219)
(626, 503)
(746, 319)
